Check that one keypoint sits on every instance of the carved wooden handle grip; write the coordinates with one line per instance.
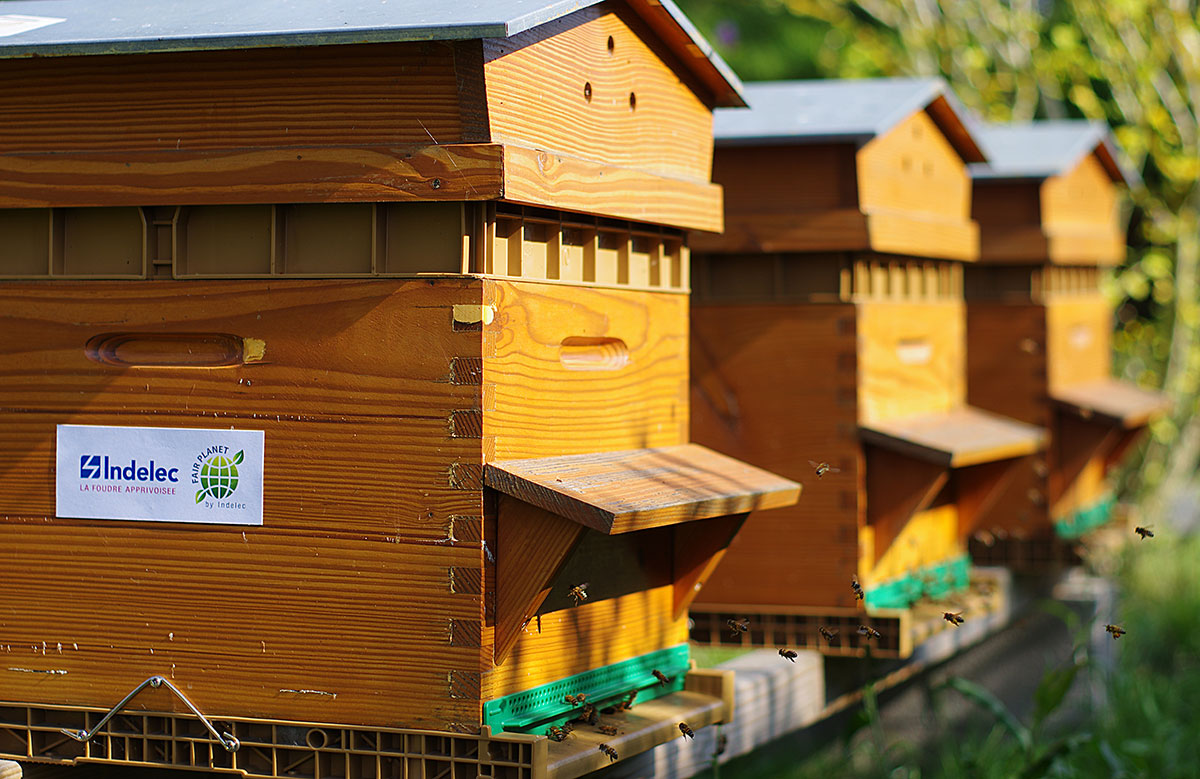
(168, 350)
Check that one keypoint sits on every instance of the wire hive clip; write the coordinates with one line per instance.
(227, 740)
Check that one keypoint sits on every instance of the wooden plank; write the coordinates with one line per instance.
(958, 438)
(698, 551)
(1080, 215)
(842, 229)
(898, 487)
(237, 618)
(980, 488)
(532, 545)
(570, 641)
(929, 537)
(1006, 360)
(1077, 462)
(556, 180)
(1078, 340)
(627, 105)
(899, 233)
(396, 94)
(537, 405)
(621, 492)
(292, 174)
(1117, 402)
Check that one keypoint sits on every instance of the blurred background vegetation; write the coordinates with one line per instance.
(1134, 64)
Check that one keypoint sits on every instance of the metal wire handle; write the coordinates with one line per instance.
(227, 740)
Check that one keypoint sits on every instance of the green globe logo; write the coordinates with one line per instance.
(218, 477)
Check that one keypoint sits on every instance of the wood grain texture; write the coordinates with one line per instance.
(582, 106)
(394, 94)
(1078, 340)
(295, 174)
(1080, 215)
(1115, 401)
(898, 489)
(774, 385)
(532, 545)
(911, 359)
(621, 492)
(900, 233)
(914, 169)
(556, 180)
(589, 636)
(538, 407)
(958, 438)
(235, 618)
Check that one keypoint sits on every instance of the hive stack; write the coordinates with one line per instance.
(828, 327)
(1038, 327)
(437, 319)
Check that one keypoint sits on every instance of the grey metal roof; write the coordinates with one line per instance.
(826, 110)
(1048, 148)
(72, 27)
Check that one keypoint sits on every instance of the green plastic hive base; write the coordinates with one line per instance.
(933, 581)
(535, 710)
(1090, 518)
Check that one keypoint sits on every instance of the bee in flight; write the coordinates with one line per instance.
(868, 631)
(826, 633)
(789, 654)
(663, 679)
(953, 618)
(737, 626)
(608, 730)
(1116, 631)
(578, 593)
(612, 753)
(1144, 532)
(858, 590)
(685, 730)
(823, 468)
(576, 700)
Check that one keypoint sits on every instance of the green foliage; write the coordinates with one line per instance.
(1132, 63)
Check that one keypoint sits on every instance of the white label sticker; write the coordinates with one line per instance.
(12, 24)
(160, 474)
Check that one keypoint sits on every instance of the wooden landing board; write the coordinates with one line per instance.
(964, 436)
(1117, 402)
(620, 492)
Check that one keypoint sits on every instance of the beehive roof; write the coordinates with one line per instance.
(842, 110)
(77, 27)
(1040, 150)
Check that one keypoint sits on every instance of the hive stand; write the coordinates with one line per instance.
(827, 326)
(1038, 330)
(456, 306)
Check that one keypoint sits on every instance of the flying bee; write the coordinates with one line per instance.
(737, 626)
(663, 679)
(558, 734)
(576, 700)
(868, 631)
(826, 633)
(858, 590)
(578, 593)
(953, 618)
(789, 654)
(1116, 631)
(608, 730)
(685, 730)
(612, 753)
(823, 468)
(1144, 532)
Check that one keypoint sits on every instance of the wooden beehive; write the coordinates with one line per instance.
(827, 327)
(455, 307)
(1038, 327)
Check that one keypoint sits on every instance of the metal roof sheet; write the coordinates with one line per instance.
(77, 27)
(1047, 148)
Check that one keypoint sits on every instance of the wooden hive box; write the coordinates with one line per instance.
(828, 327)
(1038, 327)
(412, 334)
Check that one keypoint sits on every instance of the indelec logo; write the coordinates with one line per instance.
(95, 466)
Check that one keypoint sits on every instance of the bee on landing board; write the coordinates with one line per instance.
(868, 631)
(826, 633)
(663, 679)
(858, 590)
(608, 730)
(686, 731)
(576, 700)
(823, 468)
(789, 654)
(558, 734)
(589, 715)
(1144, 532)
(612, 753)
(1116, 631)
(737, 626)
(953, 618)
(578, 593)
(626, 704)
